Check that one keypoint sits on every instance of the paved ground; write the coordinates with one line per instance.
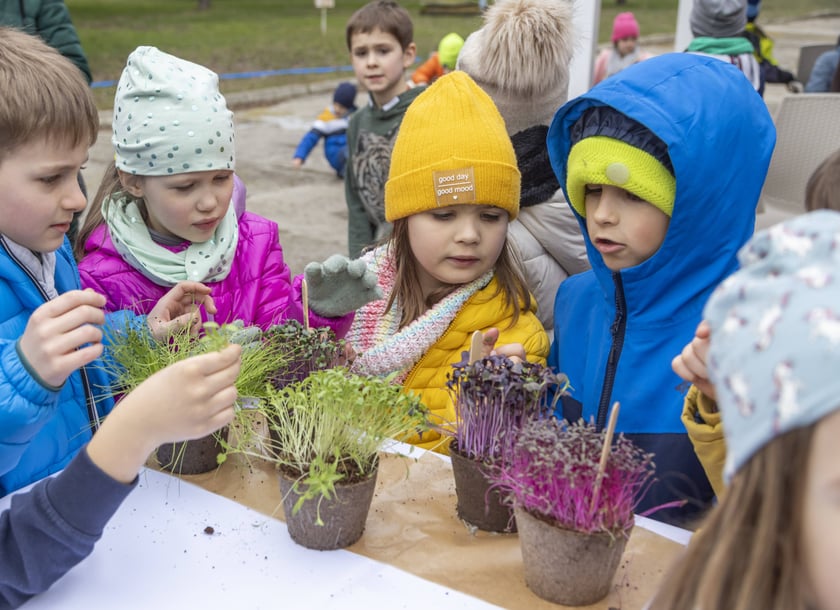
(308, 204)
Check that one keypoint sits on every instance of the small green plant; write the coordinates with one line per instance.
(328, 428)
(304, 350)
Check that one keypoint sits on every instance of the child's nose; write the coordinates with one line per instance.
(207, 200)
(604, 211)
(74, 199)
(467, 231)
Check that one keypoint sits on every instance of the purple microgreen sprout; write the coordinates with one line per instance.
(494, 397)
(552, 470)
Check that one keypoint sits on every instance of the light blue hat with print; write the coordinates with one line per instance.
(774, 355)
(169, 117)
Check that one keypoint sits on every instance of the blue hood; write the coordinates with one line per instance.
(720, 161)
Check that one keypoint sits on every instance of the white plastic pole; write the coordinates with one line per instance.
(585, 23)
(683, 34)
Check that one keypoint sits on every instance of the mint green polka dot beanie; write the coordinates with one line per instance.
(169, 117)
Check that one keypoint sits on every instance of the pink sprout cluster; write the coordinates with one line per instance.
(494, 397)
(552, 473)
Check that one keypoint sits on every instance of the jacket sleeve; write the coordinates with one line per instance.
(307, 143)
(427, 71)
(25, 408)
(360, 232)
(702, 421)
(51, 528)
(55, 27)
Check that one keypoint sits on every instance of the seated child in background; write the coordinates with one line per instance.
(663, 215)
(625, 50)
(331, 125)
(772, 541)
(51, 399)
(49, 529)
(164, 213)
(447, 269)
(440, 62)
(700, 410)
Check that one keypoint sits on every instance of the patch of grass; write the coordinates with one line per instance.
(254, 35)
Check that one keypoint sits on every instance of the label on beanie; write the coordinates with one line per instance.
(454, 186)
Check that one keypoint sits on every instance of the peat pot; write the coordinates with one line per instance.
(566, 566)
(475, 505)
(192, 457)
(344, 515)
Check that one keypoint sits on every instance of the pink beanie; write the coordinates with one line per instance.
(625, 26)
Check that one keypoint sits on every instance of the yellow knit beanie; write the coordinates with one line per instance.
(452, 148)
(605, 160)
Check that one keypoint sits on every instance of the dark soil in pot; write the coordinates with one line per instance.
(565, 566)
(475, 506)
(344, 515)
(191, 457)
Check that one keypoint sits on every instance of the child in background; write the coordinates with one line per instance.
(380, 38)
(772, 541)
(663, 216)
(331, 125)
(701, 416)
(52, 400)
(520, 57)
(441, 62)
(625, 50)
(164, 214)
(763, 51)
(719, 29)
(49, 529)
(447, 269)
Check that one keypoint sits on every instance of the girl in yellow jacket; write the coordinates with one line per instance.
(447, 269)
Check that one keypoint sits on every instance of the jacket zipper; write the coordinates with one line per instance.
(93, 414)
(617, 331)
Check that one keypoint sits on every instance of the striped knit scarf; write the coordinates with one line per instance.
(381, 345)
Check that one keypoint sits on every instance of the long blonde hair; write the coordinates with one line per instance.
(748, 554)
(511, 282)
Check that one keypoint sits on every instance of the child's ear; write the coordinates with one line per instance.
(132, 184)
(409, 55)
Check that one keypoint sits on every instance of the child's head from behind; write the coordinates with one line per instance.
(448, 49)
(625, 33)
(450, 193)
(174, 141)
(774, 357)
(620, 179)
(48, 121)
(718, 18)
(380, 38)
(823, 188)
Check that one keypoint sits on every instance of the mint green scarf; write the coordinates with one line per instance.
(208, 261)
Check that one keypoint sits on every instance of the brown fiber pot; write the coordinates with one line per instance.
(191, 457)
(344, 515)
(475, 506)
(564, 566)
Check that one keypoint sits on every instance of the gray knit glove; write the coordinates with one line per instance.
(338, 286)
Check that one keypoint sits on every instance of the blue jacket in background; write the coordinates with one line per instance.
(616, 333)
(40, 429)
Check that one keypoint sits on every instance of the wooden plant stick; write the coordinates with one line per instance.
(476, 346)
(605, 454)
(304, 292)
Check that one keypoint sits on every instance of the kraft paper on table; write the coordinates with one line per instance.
(413, 526)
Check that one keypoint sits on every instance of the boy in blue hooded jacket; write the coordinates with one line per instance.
(646, 161)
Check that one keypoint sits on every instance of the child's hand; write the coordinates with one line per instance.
(179, 308)
(297, 162)
(199, 395)
(690, 364)
(338, 286)
(61, 335)
(514, 351)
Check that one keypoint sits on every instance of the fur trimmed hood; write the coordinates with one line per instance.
(521, 58)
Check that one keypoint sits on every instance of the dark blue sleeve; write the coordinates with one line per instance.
(52, 527)
(307, 143)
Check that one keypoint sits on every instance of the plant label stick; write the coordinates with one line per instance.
(605, 453)
(304, 291)
(476, 346)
